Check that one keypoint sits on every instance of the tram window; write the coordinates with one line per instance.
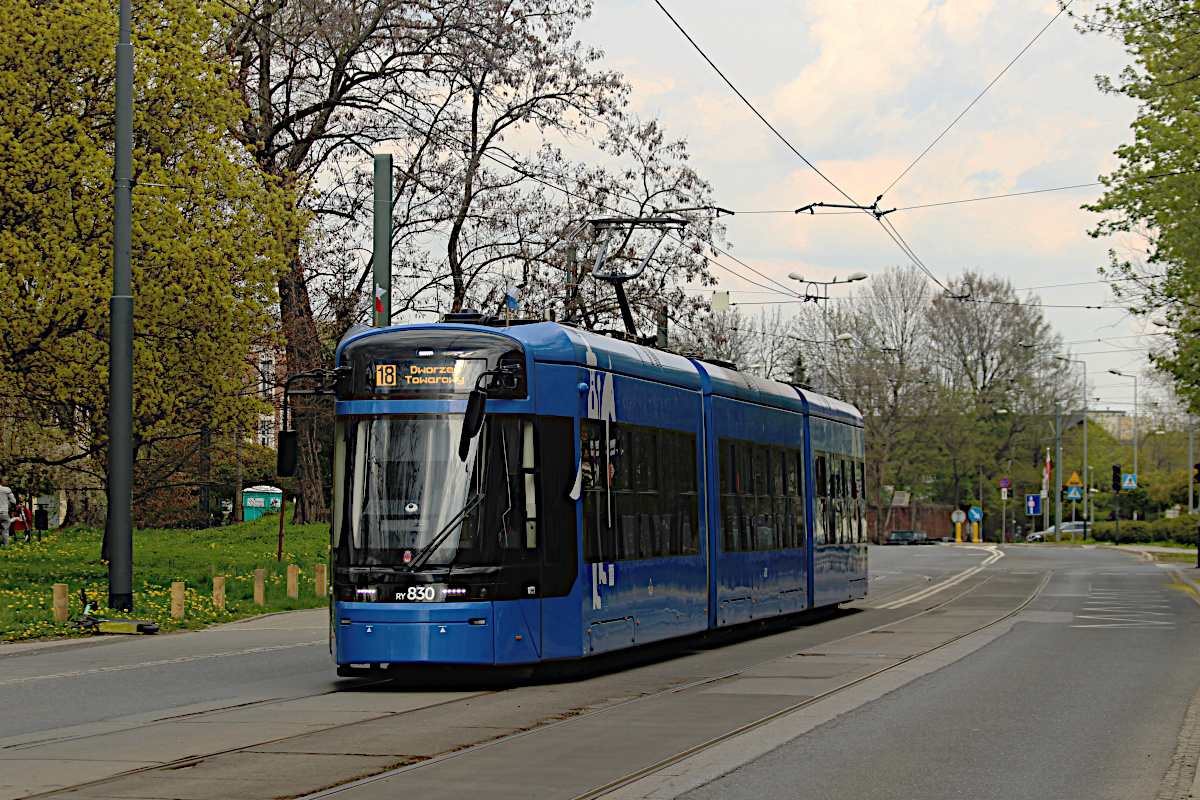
(619, 458)
(761, 506)
(654, 509)
(862, 506)
(646, 466)
(760, 471)
(731, 466)
(725, 467)
(820, 498)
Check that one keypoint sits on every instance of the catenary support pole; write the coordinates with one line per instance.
(382, 244)
(120, 343)
(1088, 500)
(1058, 471)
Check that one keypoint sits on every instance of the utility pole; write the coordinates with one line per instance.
(1058, 470)
(382, 242)
(120, 341)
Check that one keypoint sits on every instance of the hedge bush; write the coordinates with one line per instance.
(1181, 530)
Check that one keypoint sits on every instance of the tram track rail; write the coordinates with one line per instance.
(536, 729)
(664, 763)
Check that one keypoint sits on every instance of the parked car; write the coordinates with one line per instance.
(907, 537)
(1068, 529)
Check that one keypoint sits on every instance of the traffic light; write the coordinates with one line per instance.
(1116, 477)
(1195, 473)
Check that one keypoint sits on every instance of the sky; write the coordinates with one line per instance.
(860, 88)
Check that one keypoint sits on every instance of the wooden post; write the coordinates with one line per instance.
(293, 581)
(60, 602)
(177, 600)
(260, 587)
(321, 581)
(219, 591)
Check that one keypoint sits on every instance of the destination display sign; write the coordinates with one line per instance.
(426, 376)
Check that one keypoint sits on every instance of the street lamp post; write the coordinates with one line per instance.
(1086, 498)
(851, 278)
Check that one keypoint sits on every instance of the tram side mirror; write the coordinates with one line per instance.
(285, 464)
(473, 422)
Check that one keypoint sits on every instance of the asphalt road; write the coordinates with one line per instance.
(948, 681)
(1084, 698)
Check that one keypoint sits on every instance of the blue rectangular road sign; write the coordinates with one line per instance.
(1033, 505)
(1129, 481)
(1074, 492)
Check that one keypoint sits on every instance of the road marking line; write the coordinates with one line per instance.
(179, 660)
(954, 580)
(995, 555)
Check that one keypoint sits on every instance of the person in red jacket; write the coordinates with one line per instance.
(22, 521)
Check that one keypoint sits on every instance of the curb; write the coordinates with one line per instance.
(1192, 581)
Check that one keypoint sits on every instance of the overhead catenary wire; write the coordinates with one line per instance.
(893, 236)
(1062, 8)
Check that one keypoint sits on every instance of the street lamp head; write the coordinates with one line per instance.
(1161, 322)
(796, 276)
(845, 337)
(1117, 372)
(857, 276)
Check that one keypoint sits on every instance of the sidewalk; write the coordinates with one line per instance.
(1153, 548)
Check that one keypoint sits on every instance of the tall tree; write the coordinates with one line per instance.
(1152, 199)
(207, 228)
(324, 80)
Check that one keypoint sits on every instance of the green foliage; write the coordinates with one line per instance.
(1155, 192)
(207, 231)
(72, 556)
(1181, 530)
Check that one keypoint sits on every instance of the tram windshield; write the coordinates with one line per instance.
(404, 485)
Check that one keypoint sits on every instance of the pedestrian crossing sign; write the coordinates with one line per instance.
(1074, 493)
(1129, 481)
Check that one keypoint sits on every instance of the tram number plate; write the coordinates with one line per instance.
(432, 593)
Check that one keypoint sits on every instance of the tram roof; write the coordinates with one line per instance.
(555, 343)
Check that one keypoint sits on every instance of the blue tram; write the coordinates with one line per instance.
(610, 495)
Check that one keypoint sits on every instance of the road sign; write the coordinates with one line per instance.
(1074, 480)
(1129, 481)
(1075, 493)
(1004, 494)
(1033, 505)
(975, 514)
(958, 517)
(1005, 483)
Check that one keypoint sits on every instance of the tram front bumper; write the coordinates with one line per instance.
(410, 633)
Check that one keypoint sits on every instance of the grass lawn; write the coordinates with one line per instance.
(72, 556)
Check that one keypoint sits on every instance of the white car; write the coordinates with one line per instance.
(1068, 529)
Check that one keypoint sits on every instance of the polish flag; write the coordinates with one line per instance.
(379, 293)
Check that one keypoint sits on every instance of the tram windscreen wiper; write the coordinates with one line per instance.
(425, 552)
